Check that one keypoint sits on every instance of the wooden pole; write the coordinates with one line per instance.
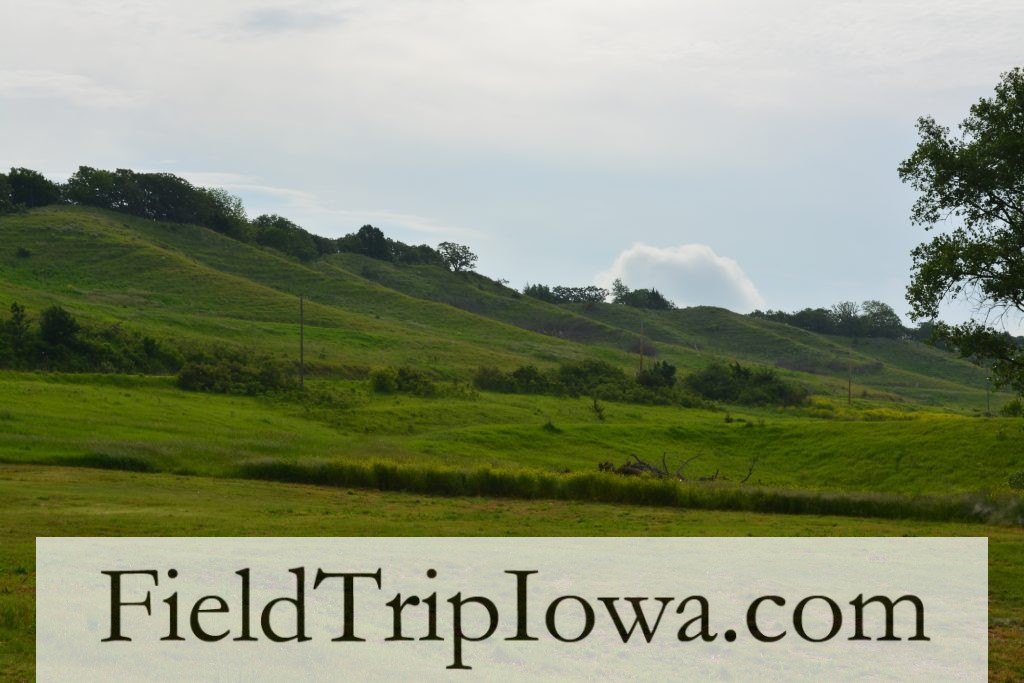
(849, 381)
(302, 344)
(643, 343)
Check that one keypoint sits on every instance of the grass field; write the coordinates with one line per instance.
(907, 455)
(64, 419)
(36, 501)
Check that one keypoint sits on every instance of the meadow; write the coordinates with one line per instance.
(908, 451)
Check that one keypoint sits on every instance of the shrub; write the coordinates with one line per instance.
(384, 380)
(738, 384)
(1012, 409)
(1016, 481)
(490, 378)
(658, 374)
(235, 376)
(58, 327)
(412, 380)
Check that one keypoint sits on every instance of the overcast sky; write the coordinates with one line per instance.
(740, 153)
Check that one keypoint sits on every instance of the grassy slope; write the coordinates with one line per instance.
(192, 285)
(62, 502)
(66, 418)
(186, 282)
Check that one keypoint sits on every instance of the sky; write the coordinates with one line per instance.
(738, 153)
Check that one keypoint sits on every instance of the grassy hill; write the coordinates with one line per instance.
(909, 455)
(189, 283)
(904, 433)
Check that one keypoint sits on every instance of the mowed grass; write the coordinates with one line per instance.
(54, 501)
(152, 425)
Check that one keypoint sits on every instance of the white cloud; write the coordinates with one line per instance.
(689, 275)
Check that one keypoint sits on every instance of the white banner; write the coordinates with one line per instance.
(477, 609)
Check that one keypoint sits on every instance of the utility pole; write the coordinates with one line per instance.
(302, 344)
(642, 344)
(849, 380)
(988, 393)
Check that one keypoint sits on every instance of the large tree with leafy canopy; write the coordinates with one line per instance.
(973, 181)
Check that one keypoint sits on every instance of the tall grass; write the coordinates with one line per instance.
(609, 488)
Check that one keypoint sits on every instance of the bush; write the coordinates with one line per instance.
(1012, 409)
(58, 327)
(738, 384)
(659, 374)
(1016, 481)
(384, 380)
(490, 378)
(235, 376)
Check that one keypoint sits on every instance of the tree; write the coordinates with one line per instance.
(976, 178)
(279, 233)
(456, 257)
(619, 291)
(31, 188)
(6, 198)
(58, 327)
(880, 320)
(639, 298)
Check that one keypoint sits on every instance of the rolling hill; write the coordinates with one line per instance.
(193, 285)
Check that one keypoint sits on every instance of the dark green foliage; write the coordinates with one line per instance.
(490, 378)
(368, 241)
(736, 383)
(60, 343)
(30, 188)
(57, 327)
(566, 295)
(1012, 409)
(277, 232)
(6, 195)
(456, 257)
(409, 380)
(656, 375)
(414, 381)
(527, 379)
(847, 318)
(419, 254)
(640, 298)
(1016, 481)
(974, 178)
(587, 377)
(597, 379)
(234, 373)
(158, 196)
(542, 292)
(15, 329)
(384, 380)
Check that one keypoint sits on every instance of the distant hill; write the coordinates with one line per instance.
(189, 283)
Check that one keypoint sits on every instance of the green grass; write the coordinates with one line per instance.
(37, 501)
(911, 443)
(149, 424)
(191, 285)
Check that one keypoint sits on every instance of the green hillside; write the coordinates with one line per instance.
(910, 454)
(189, 283)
